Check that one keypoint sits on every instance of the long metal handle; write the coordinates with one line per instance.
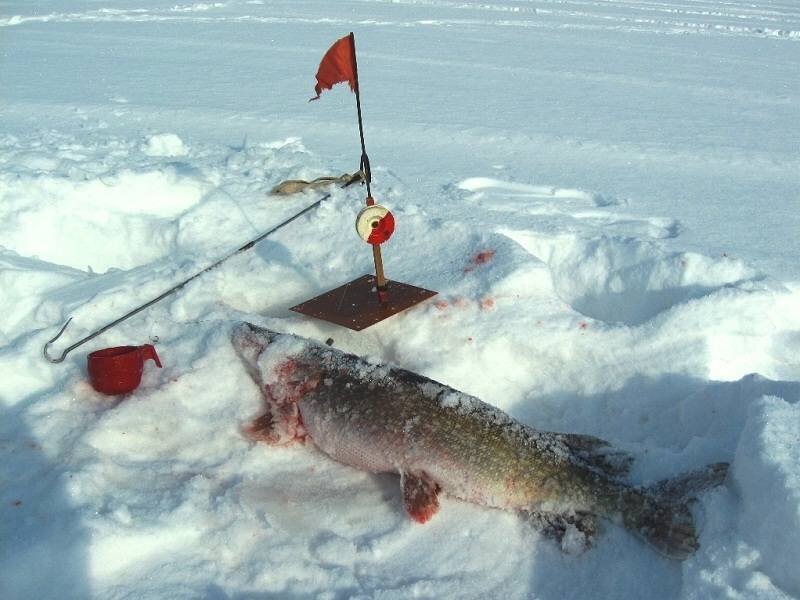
(174, 289)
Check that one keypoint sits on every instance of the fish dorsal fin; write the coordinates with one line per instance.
(598, 454)
(420, 495)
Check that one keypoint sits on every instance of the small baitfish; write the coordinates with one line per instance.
(384, 419)
(295, 186)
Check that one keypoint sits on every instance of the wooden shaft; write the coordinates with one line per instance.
(376, 254)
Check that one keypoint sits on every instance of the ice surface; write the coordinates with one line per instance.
(604, 194)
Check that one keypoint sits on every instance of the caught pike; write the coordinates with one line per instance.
(382, 419)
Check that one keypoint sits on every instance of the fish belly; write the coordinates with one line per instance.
(383, 441)
(348, 441)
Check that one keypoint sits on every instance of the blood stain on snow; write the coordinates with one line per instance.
(460, 302)
(481, 258)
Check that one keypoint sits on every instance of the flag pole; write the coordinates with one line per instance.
(364, 158)
(376, 248)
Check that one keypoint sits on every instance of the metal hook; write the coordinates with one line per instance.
(58, 335)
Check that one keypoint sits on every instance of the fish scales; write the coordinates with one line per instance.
(382, 419)
(476, 452)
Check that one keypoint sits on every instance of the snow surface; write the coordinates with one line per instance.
(604, 194)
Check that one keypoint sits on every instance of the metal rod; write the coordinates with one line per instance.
(175, 288)
(364, 158)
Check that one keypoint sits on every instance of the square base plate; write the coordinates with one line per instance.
(355, 305)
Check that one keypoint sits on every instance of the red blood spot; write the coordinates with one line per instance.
(583, 325)
(460, 302)
(481, 258)
(300, 430)
(441, 304)
(487, 303)
(286, 368)
(282, 422)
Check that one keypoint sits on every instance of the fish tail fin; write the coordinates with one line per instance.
(660, 513)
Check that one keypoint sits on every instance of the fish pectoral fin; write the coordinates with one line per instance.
(574, 531)
(420, 495)
(262, 429)
(277, 428)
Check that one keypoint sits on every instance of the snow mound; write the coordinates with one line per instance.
(165, 144)
(24, 278)
(751, 547)
(110, 203)
(767, 474)
(114, 220)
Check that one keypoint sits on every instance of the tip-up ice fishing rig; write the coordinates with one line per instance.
(357, 304)
(368, 299)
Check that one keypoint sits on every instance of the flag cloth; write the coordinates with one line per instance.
(337, 66)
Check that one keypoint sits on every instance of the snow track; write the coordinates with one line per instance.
(778, 20)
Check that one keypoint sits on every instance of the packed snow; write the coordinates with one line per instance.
(604, 194)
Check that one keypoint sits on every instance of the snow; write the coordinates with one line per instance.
(603, 194)
(766, 461)
(165, 144)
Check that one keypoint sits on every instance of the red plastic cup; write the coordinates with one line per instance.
(119, 370)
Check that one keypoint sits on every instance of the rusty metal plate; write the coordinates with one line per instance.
(355, 305)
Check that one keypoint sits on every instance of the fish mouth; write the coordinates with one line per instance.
(249, 341)
(247, 335)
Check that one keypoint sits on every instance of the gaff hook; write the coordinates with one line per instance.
(64, 354)
(177, 287)
(88, 337)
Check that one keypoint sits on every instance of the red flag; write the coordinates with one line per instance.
(338, 65)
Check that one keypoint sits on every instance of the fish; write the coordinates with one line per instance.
(295, 186)
(380, 418)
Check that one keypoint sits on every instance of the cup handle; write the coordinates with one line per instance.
(149, 352)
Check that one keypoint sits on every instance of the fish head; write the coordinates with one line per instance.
(272, 357)
(250, 340)
(283, 367)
